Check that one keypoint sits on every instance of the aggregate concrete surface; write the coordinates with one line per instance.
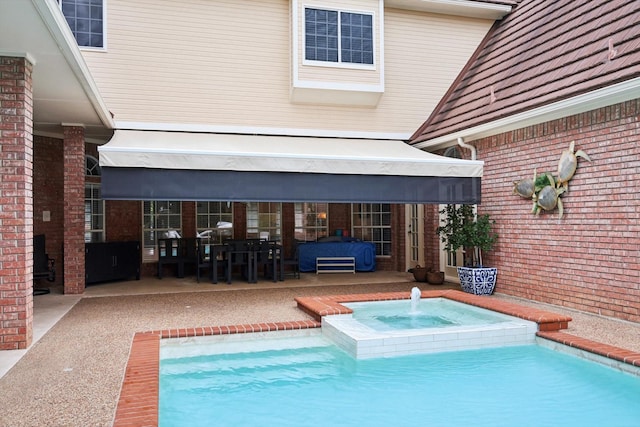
(72, 376)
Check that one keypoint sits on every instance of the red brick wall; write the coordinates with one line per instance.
(589, 259)
(431, 243)
(16, 204)
(48, 196)
(123, 220)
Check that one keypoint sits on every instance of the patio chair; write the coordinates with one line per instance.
(240, 254)
(43, 266)
(267, 259)
(293, 262)
(178, 252)
(202, 259)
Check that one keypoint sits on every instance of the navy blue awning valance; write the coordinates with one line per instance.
(171, 184)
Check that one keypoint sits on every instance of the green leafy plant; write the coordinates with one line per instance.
(461, 228)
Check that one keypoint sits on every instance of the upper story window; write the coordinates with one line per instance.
(336, 36)
(86, 20)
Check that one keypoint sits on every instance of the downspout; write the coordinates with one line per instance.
(474, 155)
(463, 144)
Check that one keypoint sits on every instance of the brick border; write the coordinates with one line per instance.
(138, 403)
(327, 305)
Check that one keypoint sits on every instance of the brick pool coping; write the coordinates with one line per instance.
(138, 403)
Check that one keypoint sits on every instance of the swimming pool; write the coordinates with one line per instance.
(139, 396)
(302, 379)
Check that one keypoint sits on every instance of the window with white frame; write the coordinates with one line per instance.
(214, 220)
(371, 222)
(160, 219)
(311, 221)
(86, 20)
(93, 203)
(264, 220)
(338, 36)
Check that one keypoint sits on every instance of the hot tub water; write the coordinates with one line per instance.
(430, 325)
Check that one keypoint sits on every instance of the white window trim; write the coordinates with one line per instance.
(349, 92)
(340, 64)
(102, 231)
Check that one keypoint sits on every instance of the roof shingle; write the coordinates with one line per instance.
(543, 52)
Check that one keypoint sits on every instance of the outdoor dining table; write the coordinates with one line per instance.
(248, 254)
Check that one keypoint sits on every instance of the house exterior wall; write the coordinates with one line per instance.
(225, 65)
(228, 66)
(589, 259)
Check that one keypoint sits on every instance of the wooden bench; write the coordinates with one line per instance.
(336, 264)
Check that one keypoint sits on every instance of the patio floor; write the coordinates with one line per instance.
(72, 374)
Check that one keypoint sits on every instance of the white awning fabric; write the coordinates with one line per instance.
(166, 157)
(202, 151)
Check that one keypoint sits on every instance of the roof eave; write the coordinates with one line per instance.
(602, 97)
(467, 8)
(53, 18)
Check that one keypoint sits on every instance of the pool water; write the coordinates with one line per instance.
(312, 382)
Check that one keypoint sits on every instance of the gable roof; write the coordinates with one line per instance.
(543, 53)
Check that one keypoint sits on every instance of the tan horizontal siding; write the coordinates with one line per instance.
(227, 63)
(424, 53)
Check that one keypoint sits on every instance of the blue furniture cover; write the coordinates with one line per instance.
(363, 252)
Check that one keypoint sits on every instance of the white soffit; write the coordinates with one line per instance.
(231, 152)
(63, 88)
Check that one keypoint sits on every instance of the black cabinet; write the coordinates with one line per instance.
(111, 261)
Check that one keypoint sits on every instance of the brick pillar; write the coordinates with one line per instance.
(16, 204)
(74, 175)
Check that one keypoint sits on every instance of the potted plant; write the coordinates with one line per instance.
(462, 228)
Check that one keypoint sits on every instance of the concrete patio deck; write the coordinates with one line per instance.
(72, 374)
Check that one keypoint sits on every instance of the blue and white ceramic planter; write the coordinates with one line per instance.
(478, 281)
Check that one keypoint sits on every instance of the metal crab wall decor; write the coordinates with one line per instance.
(545, 189)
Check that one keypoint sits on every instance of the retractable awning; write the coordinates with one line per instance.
(156, 165)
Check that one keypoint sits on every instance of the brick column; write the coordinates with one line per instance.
(16, 204)
(74, 175)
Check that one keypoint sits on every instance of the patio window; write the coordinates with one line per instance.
(264, 220)
(93, 214)
(160, 219)
(311, 221)
(214, 220)
(93, 203)
(371, 222)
